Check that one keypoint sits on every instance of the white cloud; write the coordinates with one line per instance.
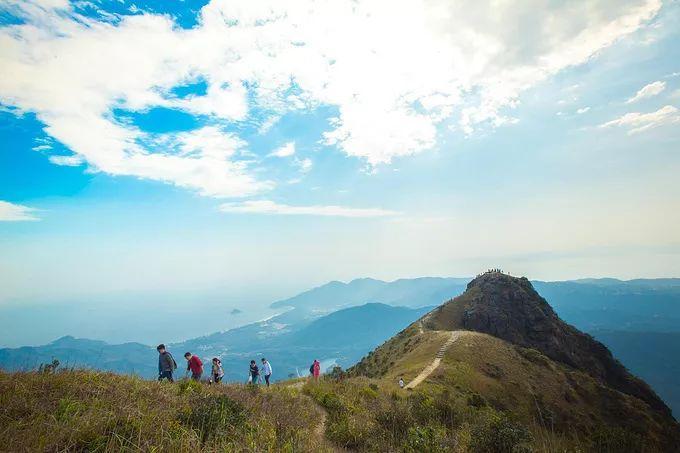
(304, 164)
(286, 150)
(637, 122)
(10, 212)
(394, 72)
(648, 91)
(582, 110)
(68, 161)
(270, 207)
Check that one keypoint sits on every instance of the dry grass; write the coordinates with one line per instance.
(564, 409)
(91, 411)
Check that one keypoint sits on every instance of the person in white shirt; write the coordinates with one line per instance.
(266, 370)
(401, 382)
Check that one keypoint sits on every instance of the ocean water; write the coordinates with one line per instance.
(147, 319)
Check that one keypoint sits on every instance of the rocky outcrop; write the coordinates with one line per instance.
(510, 308)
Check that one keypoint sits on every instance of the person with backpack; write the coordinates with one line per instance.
(194, 365)
(266, 370)
(254, 373)
(315, 369)
(217, 370)
(166, 364)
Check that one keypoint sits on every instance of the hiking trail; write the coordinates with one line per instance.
(427, 371)
(320, 429)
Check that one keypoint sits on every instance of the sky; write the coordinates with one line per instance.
(190, 155)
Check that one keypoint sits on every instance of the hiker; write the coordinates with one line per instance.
(315, 369)
(194, 365)
(166, 364)
(266, 370)
(401, 382)
(217, 370)
(254, 373)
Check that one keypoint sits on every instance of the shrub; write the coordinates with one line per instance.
(425, 439)
(612, 440)
(212, 416)
(500, 435)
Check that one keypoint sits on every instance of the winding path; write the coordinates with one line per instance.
(427, 371)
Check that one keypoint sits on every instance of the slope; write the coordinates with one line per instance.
(518, 356)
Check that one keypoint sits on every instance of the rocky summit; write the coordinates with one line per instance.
(509, 308)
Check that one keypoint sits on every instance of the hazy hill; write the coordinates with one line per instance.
(341, 337)
(131, 358)
(594, 304)
(417, 292)
(516, 355)
(654, 356)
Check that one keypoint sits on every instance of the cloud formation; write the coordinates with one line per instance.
(271, 207)
(394, 72)
(286, 150)
(10, 212)
(648, 91)
(637, 122)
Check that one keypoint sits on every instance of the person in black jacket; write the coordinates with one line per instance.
(166, 364)
(254, 373)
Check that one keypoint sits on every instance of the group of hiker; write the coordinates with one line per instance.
(255, 373)
(167, 365)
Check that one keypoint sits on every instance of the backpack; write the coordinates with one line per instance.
(174, 364)
(311, 369)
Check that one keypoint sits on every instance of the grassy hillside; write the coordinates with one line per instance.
(94, 411)
(91, 411)
(560, 406)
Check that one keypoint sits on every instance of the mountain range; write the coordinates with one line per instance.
(340, 322)
(494, 369)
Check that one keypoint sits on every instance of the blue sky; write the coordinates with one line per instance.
(254, 149)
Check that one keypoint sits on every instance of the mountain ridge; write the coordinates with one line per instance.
(518, 356)
(510, 308)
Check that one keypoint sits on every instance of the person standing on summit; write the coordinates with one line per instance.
(194, 365)
(166, 364)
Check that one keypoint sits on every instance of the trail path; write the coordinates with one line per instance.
(427, 371)
(320, 429)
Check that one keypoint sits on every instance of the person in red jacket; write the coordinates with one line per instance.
(194, 365)
(316, 369)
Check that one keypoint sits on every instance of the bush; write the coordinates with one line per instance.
(425, 439)
(612, 440)
(212, 416)
(500, 435)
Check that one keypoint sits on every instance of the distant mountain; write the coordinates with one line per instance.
(501, 345)
(417, 292)
(128, 358)
(654, 356)
(637, 305)
(355, 326)
(341, 337)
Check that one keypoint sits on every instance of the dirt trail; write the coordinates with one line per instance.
(320, 429)
(427, 371)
